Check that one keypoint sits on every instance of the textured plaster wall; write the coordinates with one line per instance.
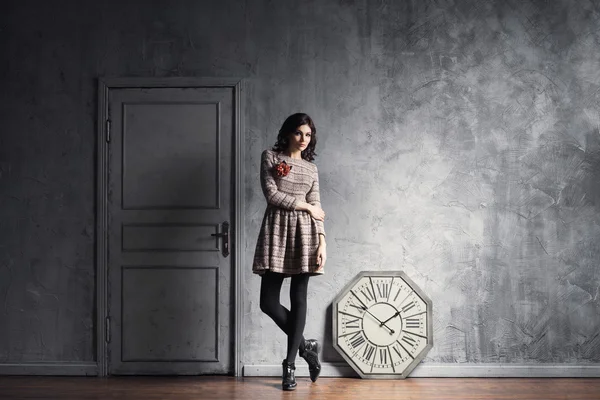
(458, 141)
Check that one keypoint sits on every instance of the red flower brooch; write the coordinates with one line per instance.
(283, 168)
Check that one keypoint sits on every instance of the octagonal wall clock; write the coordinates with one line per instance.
(382, 324)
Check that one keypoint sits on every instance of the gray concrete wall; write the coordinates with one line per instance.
(458, 141)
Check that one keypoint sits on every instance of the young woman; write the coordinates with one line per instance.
(291, 242)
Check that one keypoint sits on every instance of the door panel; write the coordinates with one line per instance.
(160, 297)
(169, 190)
(157, 135)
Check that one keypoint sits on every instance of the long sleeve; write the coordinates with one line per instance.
(269, 186)
(314, 197)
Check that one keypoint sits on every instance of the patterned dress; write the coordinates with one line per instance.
(288, 238)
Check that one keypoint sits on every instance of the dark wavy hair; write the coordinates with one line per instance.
(289, 126)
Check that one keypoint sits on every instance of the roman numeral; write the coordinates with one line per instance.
(407, 352)
(398, 294)
(369, 350)
(413, 322)
(372, 287)
(409, 340)
(414, 315)
(408, 306)
(357, 339)
(368, 295)
(391, 359)
(348, 334)
(349, 314)
(383, 355)
(397, 351)
(353, 323)
(383, 290)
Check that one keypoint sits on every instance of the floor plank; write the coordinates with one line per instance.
(220, 387)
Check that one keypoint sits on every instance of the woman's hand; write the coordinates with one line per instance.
(317, 213)
(321, 256)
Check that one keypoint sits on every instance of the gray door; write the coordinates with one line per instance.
(169, 193)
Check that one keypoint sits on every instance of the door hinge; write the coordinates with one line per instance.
(108, 131)
(107, 329)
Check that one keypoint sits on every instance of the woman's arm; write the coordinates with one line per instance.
(302, 206)
(313, 197)
(269, 187)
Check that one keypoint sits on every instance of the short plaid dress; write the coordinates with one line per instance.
(288, 238)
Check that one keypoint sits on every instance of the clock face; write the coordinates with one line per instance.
(382, 324)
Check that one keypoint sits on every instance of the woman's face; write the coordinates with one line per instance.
(299, 140)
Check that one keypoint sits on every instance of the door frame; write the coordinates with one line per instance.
(105, 84)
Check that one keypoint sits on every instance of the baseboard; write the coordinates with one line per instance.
(55, 368)
(447, 370)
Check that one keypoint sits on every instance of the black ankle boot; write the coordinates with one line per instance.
(289, 378)
(309, 350)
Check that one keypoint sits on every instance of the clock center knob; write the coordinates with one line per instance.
(377, 333)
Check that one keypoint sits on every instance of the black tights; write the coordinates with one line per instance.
(290, 321)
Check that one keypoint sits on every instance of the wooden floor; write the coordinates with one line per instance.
(196, 388)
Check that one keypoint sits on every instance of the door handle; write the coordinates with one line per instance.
(225, 236)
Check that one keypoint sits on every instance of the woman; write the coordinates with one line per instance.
(291, 242)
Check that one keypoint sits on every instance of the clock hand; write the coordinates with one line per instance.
(381, 323)
(397, 313)
(365, 308)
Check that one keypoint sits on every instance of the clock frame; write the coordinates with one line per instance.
(382, 324)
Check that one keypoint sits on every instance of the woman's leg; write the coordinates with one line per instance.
(297, 316)
(270, 289)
